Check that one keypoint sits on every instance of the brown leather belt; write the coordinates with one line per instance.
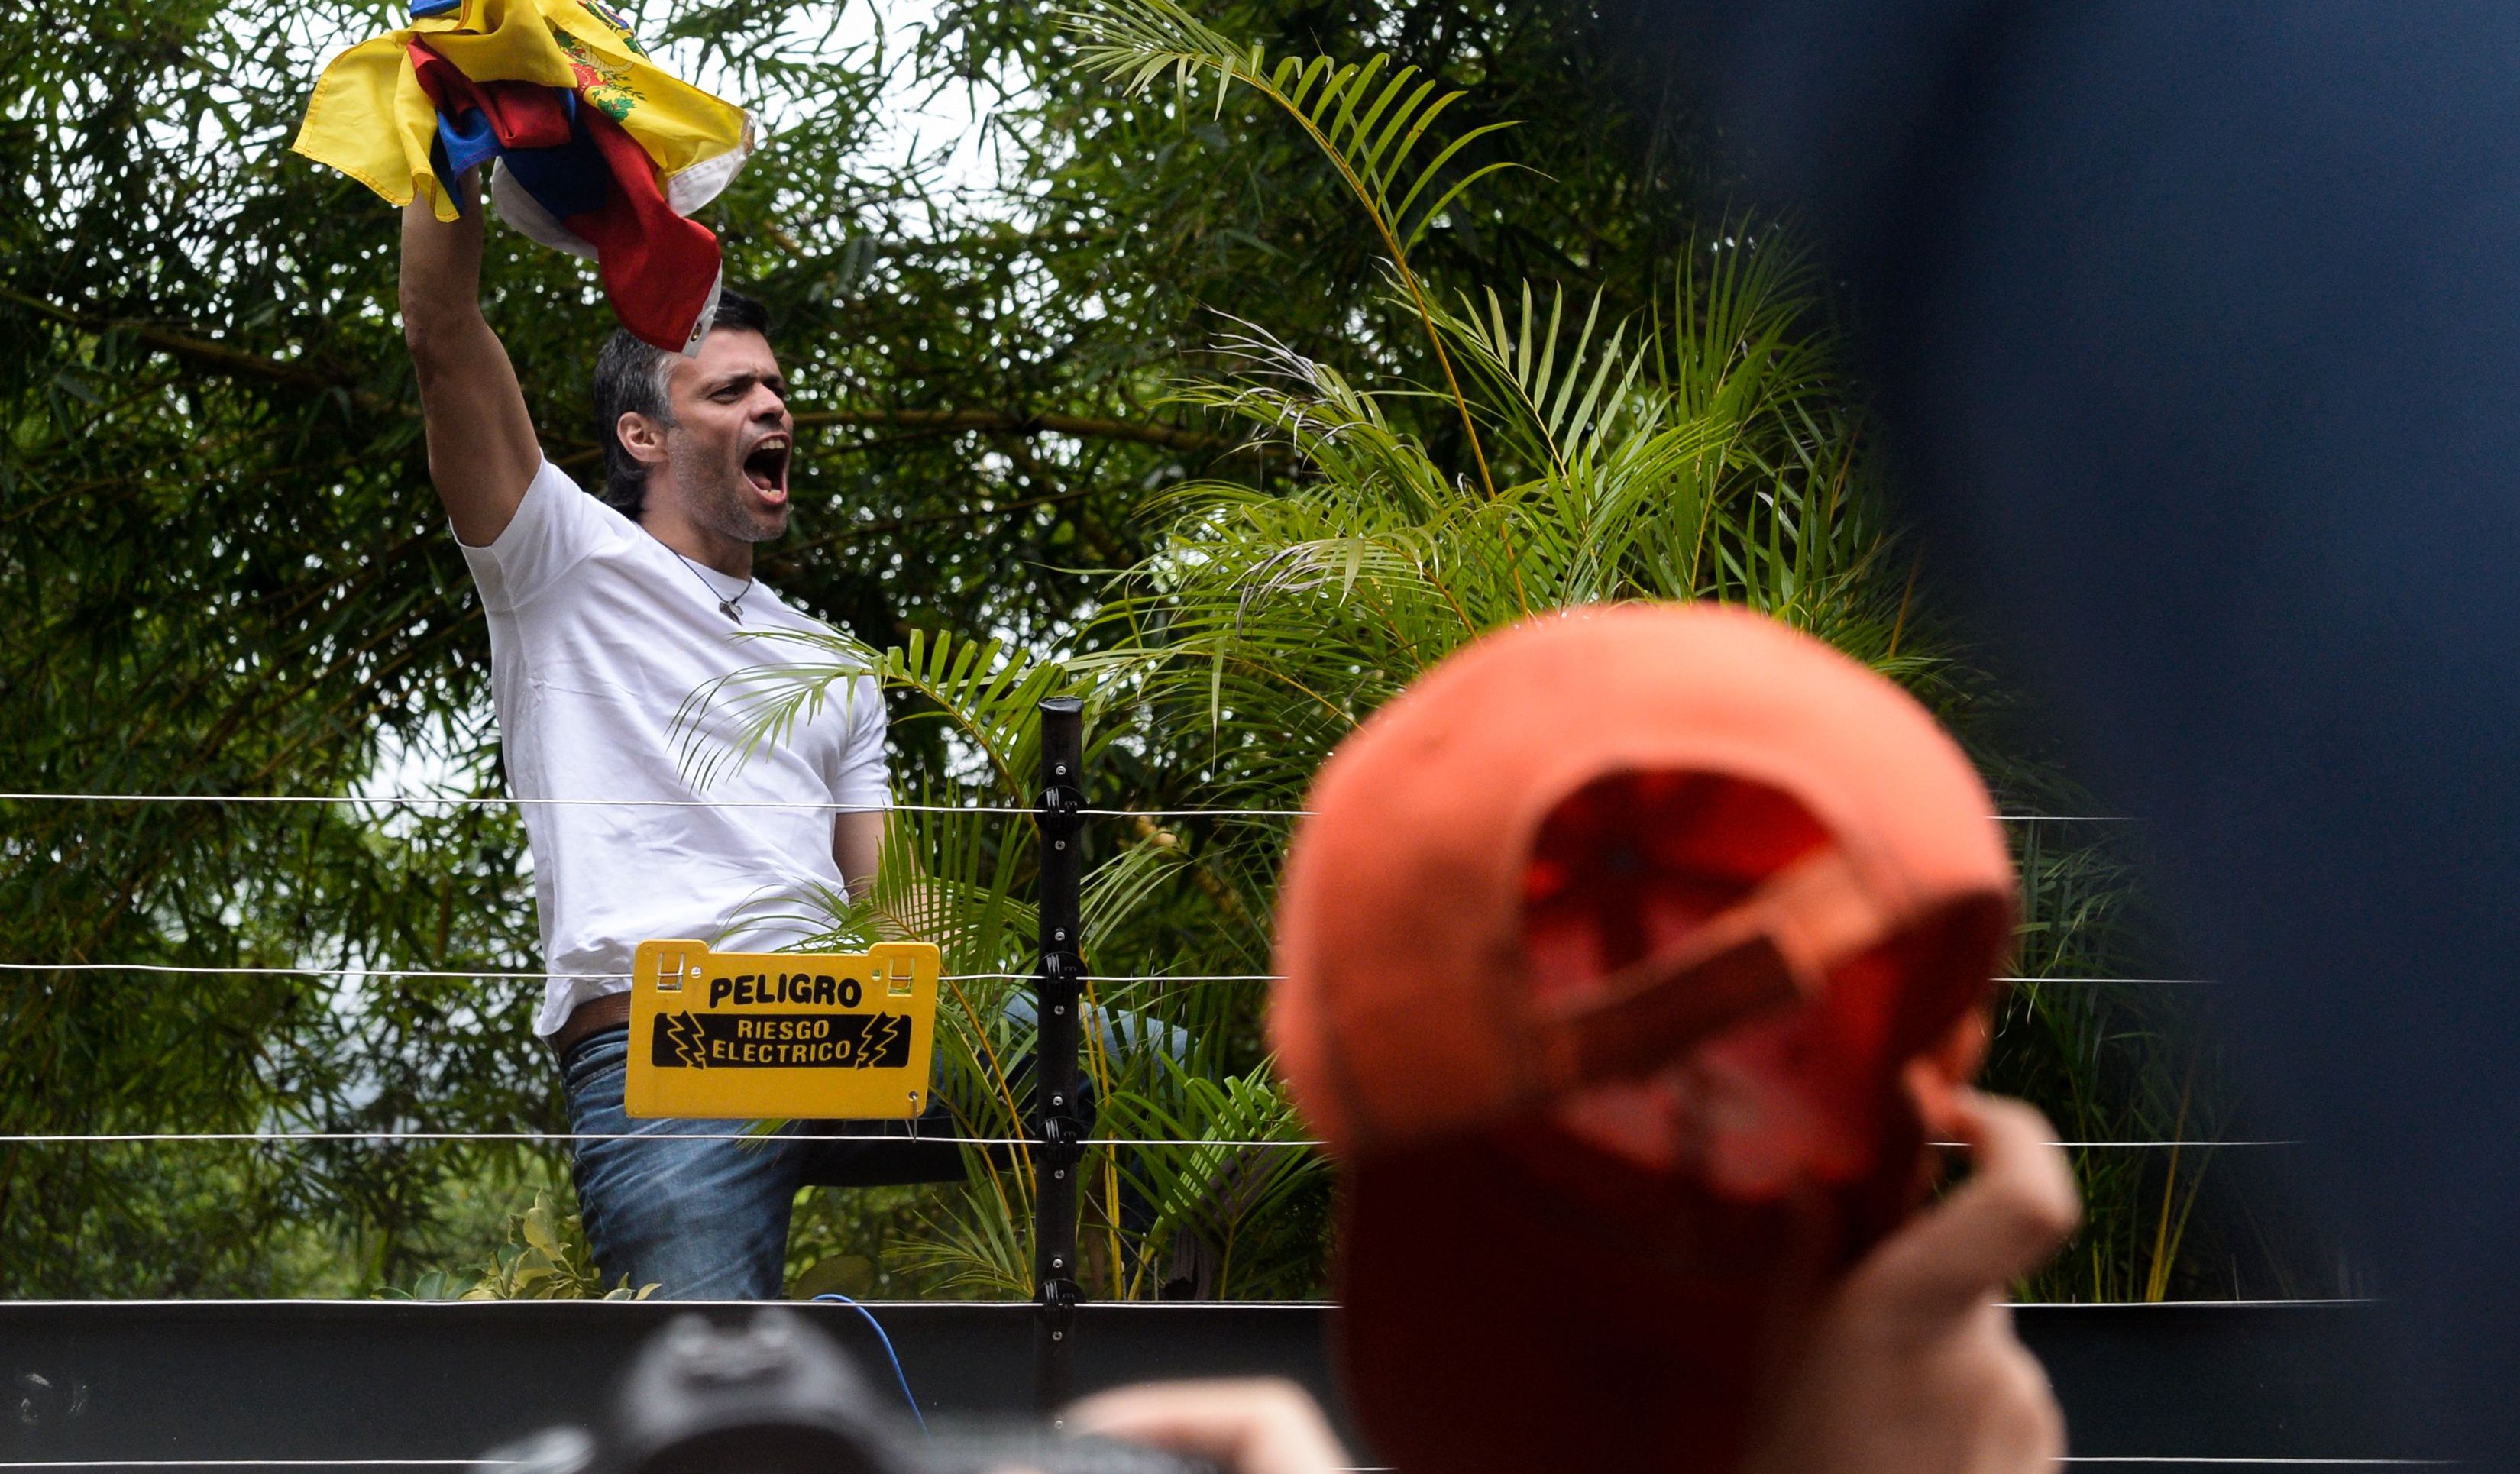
(596, 1014)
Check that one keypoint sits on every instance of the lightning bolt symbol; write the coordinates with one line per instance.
(881, 1035)
(684, 1032)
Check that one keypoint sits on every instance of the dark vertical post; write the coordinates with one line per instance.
(1059, 1000)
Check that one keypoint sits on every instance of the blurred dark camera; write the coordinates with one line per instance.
(776, 1396)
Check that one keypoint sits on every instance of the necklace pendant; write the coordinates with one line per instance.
(729, 604)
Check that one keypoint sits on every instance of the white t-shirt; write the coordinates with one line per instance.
(598, 634)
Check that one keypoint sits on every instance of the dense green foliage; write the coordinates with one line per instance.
(1127, 387)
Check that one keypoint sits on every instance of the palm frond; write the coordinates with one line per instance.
(988, 693)
(1221, 1192)
(1554, 413)
(975, 1243)
(721, 726)
(1367, 118)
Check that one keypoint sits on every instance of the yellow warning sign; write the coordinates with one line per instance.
(781, 1035)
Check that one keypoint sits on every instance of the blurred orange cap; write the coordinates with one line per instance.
(1607, 945)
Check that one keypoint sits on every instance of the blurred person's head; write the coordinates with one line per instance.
(1611, 952)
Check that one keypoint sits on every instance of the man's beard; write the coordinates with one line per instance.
(723, 507)
(721, 500)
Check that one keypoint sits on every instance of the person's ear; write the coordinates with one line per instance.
(642, 436)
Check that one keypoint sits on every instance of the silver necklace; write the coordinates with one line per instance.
(729, 604)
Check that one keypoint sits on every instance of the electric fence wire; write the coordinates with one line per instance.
(2214, 1460)
(440, 800)
(453, 801)
(2235, 1460)
(503, 975)
(555, 1137)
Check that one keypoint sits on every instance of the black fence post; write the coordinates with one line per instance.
(1058, 1129)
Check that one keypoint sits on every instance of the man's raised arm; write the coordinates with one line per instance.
(482, 448)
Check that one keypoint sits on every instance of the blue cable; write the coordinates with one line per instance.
(897, 1374)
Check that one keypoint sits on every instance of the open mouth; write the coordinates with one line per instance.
(765, 466)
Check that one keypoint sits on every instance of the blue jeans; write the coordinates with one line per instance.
(707, 1219)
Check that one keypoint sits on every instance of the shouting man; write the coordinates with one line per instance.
(607, 612)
